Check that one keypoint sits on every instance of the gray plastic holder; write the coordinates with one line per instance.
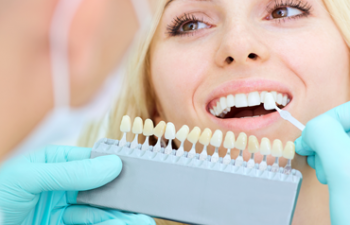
(193, 191)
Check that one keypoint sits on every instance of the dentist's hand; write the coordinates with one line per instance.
(326, 142)
(40, 188)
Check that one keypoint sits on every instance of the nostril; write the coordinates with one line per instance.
(252, 56)
(229, 60)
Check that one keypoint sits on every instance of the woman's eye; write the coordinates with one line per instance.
(285, 12)
(192, 26)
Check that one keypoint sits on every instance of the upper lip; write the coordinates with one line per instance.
(246, 86)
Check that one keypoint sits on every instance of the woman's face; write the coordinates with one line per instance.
(204, 50)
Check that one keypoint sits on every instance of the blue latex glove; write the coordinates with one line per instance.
(326, 142)
(41, 188)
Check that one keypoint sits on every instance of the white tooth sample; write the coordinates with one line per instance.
(265, 146)
(181, 135)
(289, 150)
(216, 141)
(279, 99)
(125, 127)
(241, 100)
(223, 102)
(137, 129)
(204, 139)
(147, 132)
(262, 96)
(158, 131)
(269, 102)
(230, 101)
(288, 153)
(241, 144)
(254, 99)
(284, 100)
(229, 143)
(193, 137)
(265, 149)
(253, 147)
(170, 134)
(274, 94)
(277, 150)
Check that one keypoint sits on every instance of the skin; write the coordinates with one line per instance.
(26, 94)
(306, 57)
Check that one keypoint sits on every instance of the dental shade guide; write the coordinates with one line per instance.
(270, 104)
(125, 127)
(241, 144)
(151, 179)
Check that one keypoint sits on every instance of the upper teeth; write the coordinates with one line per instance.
(255, 98)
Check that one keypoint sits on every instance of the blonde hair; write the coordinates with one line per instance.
(137, 96)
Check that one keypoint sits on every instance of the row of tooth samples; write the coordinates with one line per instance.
(205, 138)
(224, 104)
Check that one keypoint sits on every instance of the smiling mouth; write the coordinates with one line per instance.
(245, 105)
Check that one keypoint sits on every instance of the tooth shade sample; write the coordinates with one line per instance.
(277, 148)
(241, 100)
(223, 103)
(148, 127)
(254, 99)
(289, 150)
(229, 142)
(253, 144)
(230, 101)
(279, 99)
(137, 127)
(274, 94)
(265, 146)
(159, 130)
(241, 142)
(216, 139)
(181, 135)
(125, 125)
(262, 96)
(269, 102)
(205, 137)
(170, 131)
(194, 135)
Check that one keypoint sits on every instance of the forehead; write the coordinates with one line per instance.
(172, 1)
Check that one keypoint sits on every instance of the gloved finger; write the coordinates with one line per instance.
(59, 153)
(302, 148)
(327, 138)
(82, 214)
(320, 173)
(311, 161)
(112, 222)
(342, 115)
(76, 175)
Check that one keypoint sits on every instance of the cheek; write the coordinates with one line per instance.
(320, 59)
(176, 74)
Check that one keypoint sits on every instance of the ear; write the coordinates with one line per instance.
(100, 35)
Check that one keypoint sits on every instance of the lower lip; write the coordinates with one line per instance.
(249, 124)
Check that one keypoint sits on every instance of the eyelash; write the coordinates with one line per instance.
(173, 28)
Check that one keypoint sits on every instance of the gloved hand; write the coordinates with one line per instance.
(41, 188)
(326, 143)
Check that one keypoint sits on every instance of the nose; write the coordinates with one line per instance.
(241, 45)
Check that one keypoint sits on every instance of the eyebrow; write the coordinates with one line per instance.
(170, 1)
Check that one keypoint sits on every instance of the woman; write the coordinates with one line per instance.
(200, 51)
